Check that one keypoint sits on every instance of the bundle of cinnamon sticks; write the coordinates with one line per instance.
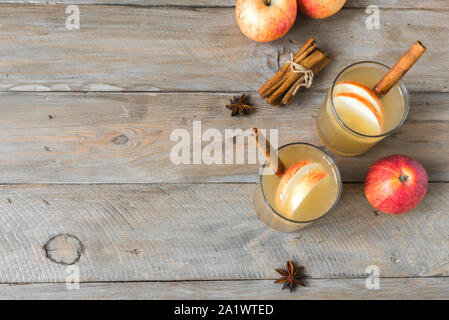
(286, 82)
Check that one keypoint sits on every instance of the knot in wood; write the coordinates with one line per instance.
(121, 139)
(65, 249)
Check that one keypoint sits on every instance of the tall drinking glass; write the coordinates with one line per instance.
(309, 189)
(351, 120)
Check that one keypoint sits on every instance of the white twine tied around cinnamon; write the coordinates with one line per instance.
(297, 68)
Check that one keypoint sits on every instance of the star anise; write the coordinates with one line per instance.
(290, 277)
(239, 105)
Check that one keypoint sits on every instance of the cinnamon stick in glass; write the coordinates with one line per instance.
(399, 69)
(268, 151)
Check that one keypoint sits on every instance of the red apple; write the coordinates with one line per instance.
(320, 9)
(396, 184)
(265, 20)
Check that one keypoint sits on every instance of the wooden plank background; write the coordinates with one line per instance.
(125, 138)
(85, 119)
(427, 4)
(158, 232)
(178, 49)
(407, 288)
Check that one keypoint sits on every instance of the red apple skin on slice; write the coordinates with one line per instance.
(396, 184)
(297, 183)
(361, 90)
(307, 183)
(282, 188)
(346, 96)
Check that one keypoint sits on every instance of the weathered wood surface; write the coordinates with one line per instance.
(107, 138)
(171, 49)
(209, 232)
(407, 288)
(427, 4)
(184, 232)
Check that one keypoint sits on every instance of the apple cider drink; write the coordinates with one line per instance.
(353, 118)
(308, 189)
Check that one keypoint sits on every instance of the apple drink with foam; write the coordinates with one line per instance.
(307, 190)
(353, 118)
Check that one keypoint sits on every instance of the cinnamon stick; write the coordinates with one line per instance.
(266, 148)
(286, 82)
(278, 76)
(289, 71)
(399, 69)
(316, 57)
(297, 85)
(275, 86)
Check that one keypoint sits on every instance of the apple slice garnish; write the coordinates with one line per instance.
(360, 90)
(357, 111)
(288, 176)
(297, 183)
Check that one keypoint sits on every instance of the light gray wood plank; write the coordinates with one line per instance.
(169, 48)
(125, 138)
(385, 4)
(427, 4)
(338, 289)
(209, 232)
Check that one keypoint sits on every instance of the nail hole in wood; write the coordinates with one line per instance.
(135, 251)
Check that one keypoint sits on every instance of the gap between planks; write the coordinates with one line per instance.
(217, 280)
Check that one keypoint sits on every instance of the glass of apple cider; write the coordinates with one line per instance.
(352, 119)
(308, 190)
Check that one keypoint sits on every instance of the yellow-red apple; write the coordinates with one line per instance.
(396, 184)
(265, 20)
(320, 9)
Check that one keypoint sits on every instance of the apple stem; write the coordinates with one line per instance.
(403, 178)
(268, 2)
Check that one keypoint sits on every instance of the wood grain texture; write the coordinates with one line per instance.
(197, 49)
(125, 138)
(408, 288)
(427, 4)
(163, 232)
